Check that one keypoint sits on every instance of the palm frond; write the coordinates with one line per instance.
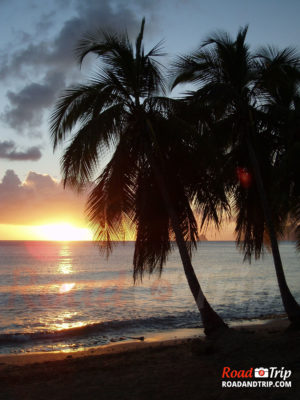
(96, 135)
(111, 201)
(153, 81)
(153, 227)
(138, 44)
(157, 50)
(79, 104)
(108, 46)
(296, 218)
(250, 223)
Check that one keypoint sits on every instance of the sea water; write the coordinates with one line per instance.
(67, 295)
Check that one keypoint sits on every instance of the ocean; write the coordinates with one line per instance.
(64, 296)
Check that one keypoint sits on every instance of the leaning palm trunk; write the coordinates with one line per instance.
(212, 322)
(291, 307)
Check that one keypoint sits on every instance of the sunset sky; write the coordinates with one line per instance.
(37, 39)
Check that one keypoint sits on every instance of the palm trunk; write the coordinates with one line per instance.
(291, 307)
(212, 322)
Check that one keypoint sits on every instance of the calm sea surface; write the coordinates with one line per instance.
(64, 296)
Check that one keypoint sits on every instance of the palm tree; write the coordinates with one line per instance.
(120, 110)
(230, 83)
(280, 79)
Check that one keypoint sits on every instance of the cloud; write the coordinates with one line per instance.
(14, 64)
(46, 22)
(55, 58)
(38, 200)
(27, 105)
(8, 151)
(10, 180)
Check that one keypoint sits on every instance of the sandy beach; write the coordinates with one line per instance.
(157, 368)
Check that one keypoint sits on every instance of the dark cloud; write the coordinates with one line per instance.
(46, 22)
(10, 179)
(8, 151)
(39, 199)
(59, 52)
(27, 105)
(56, 59)
(15, 64)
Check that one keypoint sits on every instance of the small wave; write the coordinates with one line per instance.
(120, 327)
(107, 327)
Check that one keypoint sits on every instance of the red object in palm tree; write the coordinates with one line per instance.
(244, 177)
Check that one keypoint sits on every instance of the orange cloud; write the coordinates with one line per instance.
(38, 200)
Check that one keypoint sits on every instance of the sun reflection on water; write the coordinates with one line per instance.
(65, 265)
(64, 321)
(65, 269)
(66, 325)
(66, 287)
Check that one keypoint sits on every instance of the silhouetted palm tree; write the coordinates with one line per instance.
(231, 84)
(280, 79)
(120, 110)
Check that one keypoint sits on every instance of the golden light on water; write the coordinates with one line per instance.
(63, 322)
(66, 287)
(65, 269)
(65, 266)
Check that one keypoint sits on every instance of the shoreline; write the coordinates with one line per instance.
(182, 368)
(158, 339)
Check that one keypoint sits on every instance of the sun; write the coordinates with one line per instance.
(63, 232)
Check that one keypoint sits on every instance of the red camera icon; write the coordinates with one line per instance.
(261, 372)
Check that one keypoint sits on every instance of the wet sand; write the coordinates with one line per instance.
(161, 367)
